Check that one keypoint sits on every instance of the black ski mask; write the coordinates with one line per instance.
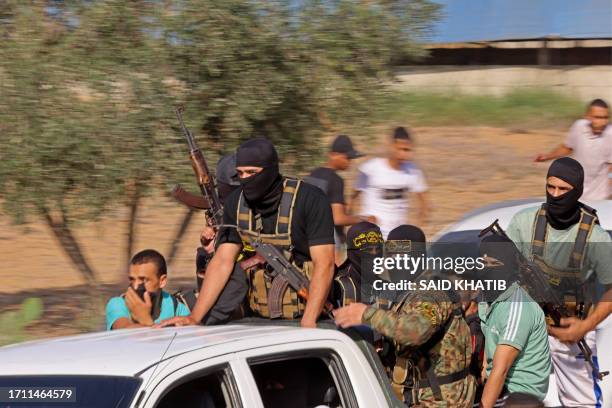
(406, 239)
(263, 190)
(564, 211)
(363, 242)
(501, 263)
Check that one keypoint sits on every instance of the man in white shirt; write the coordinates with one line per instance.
(385, 182)
(589, 141)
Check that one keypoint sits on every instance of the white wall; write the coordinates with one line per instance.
(583, 82)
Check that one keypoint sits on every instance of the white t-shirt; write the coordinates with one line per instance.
(594, 153)
(385, 191)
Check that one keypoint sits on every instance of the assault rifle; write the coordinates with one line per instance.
(209, 201)
(282, 273)
(535, 281)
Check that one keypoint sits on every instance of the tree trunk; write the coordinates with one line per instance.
(134, 204)
(69, 244)
(179, 236)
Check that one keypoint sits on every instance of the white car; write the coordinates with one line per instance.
(465, 233)
(242, 365)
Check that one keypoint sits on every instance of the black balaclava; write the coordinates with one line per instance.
(363, 238)
(364, 242)
(406, 239)
(564, 211)
(227, 178)
(501, 263)
(263, 190)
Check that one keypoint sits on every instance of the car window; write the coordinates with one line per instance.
(317, 380)
(210, 389)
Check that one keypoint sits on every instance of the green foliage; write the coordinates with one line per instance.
(13, 323)
(520, 108)
(88, 91)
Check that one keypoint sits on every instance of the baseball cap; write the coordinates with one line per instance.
(343, 144)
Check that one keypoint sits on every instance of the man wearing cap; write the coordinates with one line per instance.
(431, 338)
(327, 179)
(385, 182)
(564, 238)
(292, 215)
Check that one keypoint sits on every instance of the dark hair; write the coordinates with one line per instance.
(150, 256)
(599, 103)
(400, 133)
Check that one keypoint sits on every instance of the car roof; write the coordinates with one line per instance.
(504, 211)
(129, 351)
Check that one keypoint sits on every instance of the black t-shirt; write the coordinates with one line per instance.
(312, 222)
(334, 184)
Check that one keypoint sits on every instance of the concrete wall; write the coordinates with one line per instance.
(583, 82)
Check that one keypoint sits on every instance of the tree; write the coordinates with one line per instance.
(88, 90)
(288, 70)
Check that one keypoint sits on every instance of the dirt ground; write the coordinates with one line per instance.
(465, 167)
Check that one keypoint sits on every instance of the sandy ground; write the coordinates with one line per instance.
(466, 167)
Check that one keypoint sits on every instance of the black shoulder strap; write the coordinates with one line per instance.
(539, 232)
(433, 381)
(285, 209)
(585, 226)
(174, 304)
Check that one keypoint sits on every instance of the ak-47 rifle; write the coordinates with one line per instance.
(282, 273)
(209, 201)
(535, 281)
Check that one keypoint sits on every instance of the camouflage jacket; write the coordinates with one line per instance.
(411, 323)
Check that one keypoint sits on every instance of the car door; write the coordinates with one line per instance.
(219, 382)
(322, 373)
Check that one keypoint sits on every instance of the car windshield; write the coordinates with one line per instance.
(68, 391)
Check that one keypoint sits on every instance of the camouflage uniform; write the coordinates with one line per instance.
(410, 324)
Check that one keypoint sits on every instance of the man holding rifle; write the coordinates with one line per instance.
(563, 238)
(269, 208)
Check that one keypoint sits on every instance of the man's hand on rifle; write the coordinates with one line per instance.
(207, 239)
(177, 321)
(572, 329)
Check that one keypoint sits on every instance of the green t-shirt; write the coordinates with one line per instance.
(559, 245)
(515, 319)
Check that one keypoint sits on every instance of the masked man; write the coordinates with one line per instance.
(431, 338)
(294, 216)
(564, 238)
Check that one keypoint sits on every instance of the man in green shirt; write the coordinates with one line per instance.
(563, 238)
(516, 345)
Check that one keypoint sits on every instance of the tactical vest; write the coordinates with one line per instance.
(413, 368)
(251, 227)
(345, 288)
(567, 280)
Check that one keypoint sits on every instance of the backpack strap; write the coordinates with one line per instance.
(174, 304)
(539, 232)
(585, 227)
